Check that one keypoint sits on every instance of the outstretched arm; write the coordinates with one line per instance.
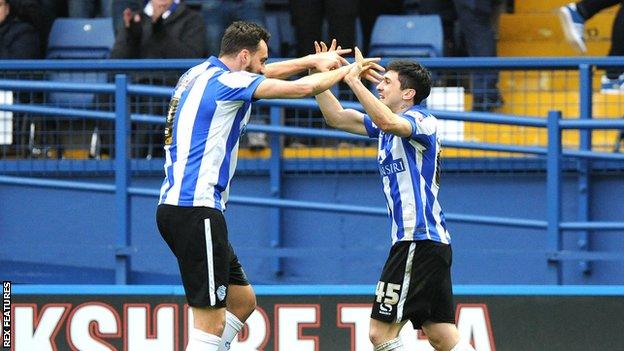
(302, 87)
(320, 61)
(336, 116)
(381, 114)
(306, 86)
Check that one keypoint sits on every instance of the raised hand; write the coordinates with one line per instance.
(365, 67)
(326, 59)
(129, 17)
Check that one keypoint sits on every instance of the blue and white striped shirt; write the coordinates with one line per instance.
(409, 169)
(209, 109)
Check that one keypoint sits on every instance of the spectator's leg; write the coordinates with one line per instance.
(476, 26)
(81, 8)
(106, 8)
(216, 15)
(341, 16)
(250, 11)
(307, 18)
(588, 8)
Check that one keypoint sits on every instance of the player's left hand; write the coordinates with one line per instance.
(325, 59)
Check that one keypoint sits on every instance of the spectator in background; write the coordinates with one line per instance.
(573, 17)
(164, 29)
(18, 39)
(38, 16)
(476, 23)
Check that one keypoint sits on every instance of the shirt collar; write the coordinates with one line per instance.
(215, 61)
(149, 9)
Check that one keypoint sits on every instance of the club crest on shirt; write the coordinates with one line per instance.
(390, 166)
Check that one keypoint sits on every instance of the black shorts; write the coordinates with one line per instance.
(206, 270)
(415, 284)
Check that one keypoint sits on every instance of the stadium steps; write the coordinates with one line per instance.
(537, 104)
(540, 34)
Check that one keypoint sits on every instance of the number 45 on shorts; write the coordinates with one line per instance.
(387, 293)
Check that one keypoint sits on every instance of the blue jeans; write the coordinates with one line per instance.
(89, 8)
(219, 14)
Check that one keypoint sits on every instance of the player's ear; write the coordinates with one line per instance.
(245, 57)
(408, 94)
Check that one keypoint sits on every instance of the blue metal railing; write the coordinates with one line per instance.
(123, 190)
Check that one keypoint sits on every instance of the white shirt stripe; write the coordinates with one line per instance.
(210, 262)
(406, 282)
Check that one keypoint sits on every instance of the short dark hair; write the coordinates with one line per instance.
(412, 75)
(242, 35)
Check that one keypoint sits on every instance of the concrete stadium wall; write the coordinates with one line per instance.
(62, 236)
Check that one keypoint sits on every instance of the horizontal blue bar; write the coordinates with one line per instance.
(495, 147)
(485, 117)
(311, 132)
(298, 290)
(142, 89)
(99, 65)
(58, 184)
(595, 123)
(554, 63)
(592, 225)
(54, 85)
(67, 113)
(285, 203)
(593, 154)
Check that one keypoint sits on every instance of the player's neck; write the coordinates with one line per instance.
(403, 106)
(231, 62)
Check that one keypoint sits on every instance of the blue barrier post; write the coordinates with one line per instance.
(584, 165)
(275, 181)
(122, 180)
(553, 193)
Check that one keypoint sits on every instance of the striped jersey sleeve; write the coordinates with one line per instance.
(371, 127)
